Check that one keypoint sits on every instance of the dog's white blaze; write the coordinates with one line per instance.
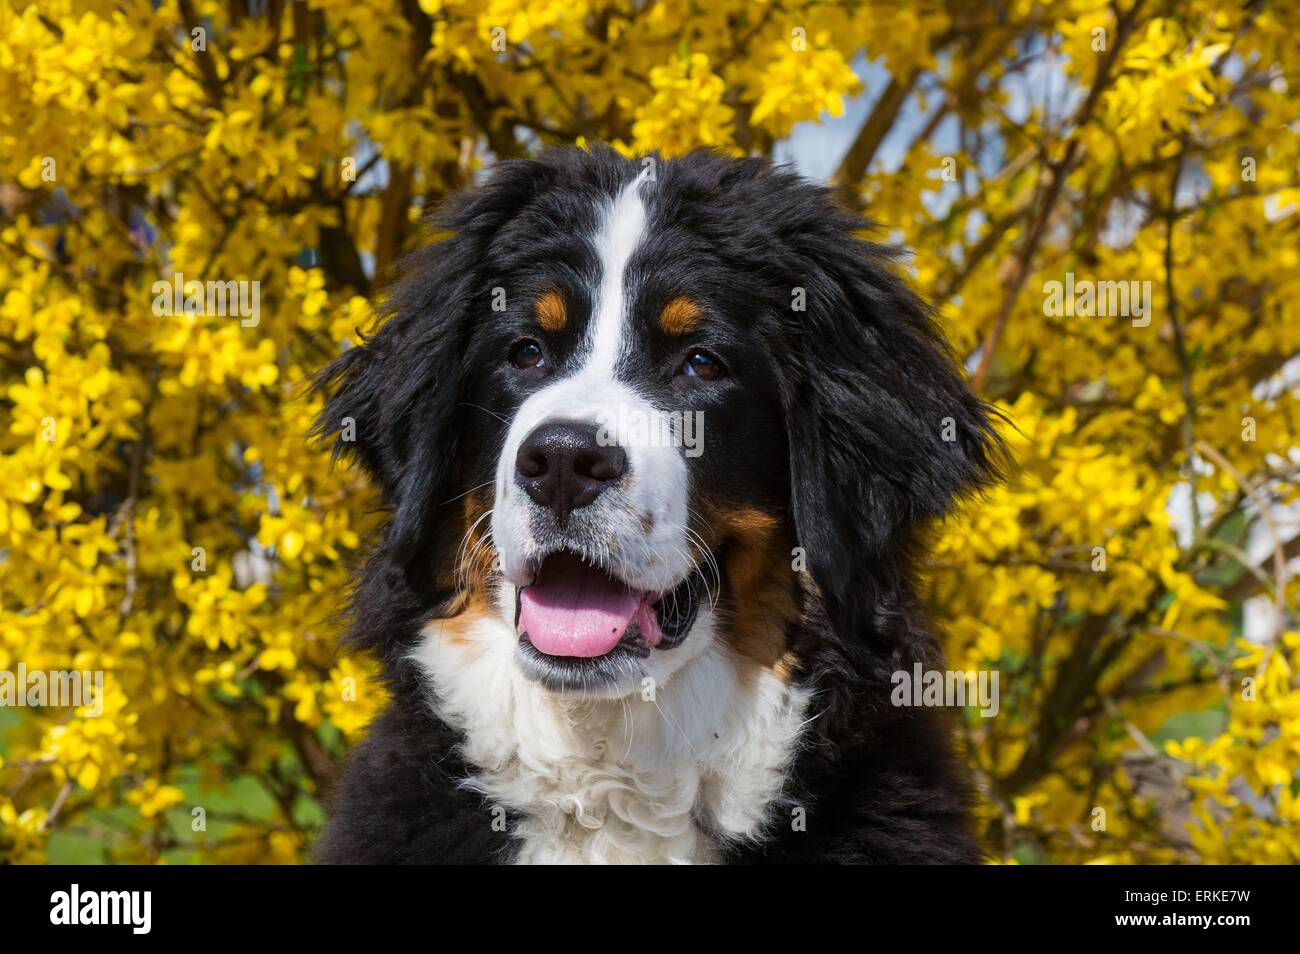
(656, 482)
(621, 233)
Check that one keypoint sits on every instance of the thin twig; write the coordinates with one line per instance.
(1265, 514)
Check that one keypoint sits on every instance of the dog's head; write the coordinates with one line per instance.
(636, 401)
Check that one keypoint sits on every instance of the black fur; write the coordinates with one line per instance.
(836, 422)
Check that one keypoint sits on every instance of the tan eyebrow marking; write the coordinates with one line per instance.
(551, 313)
(680, 316)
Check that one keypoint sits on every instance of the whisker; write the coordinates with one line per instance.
(464, 549)
(479, 407)
(675, 726)
(694, 539)
(468, 492)
(628, 727)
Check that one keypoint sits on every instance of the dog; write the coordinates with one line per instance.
(661, 440)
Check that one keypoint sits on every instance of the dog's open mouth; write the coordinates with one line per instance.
(579, 625)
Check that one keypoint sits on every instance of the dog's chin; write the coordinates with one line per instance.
(583, 630)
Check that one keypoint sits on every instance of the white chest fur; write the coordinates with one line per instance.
(624, 781)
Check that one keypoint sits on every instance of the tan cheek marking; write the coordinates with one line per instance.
(763, 596)
(551, 312)
(469, 575)
(680, 316)
(469, 608)
(474, 555)
(785, 667)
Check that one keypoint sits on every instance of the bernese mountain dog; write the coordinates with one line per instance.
(660, 440)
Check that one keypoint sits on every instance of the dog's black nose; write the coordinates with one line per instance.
(563, 465)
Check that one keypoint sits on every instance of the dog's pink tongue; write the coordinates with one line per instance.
(574, 609)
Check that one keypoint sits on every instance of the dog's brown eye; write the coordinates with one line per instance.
(701, 364)
(527, 354)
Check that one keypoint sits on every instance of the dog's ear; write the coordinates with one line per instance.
(884, 433)
(395, 403)
(393, 408)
